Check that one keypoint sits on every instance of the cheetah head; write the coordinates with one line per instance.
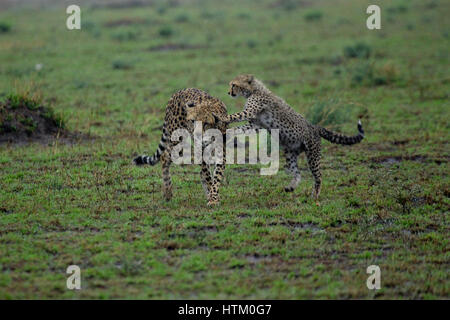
(200, 112)
(243, 85)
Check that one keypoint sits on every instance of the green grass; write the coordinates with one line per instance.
(22, 100)
(384, 201)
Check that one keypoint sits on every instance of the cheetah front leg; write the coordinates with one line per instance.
(205, 175)
(292, 169)
(249, 113)
(215, 185)
(217, 180)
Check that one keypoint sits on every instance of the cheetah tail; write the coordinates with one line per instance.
(340, 138)
(144, 159)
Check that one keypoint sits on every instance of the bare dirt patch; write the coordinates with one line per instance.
(124, 22)
(387, 160)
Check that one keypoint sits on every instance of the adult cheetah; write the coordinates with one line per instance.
(177, 118)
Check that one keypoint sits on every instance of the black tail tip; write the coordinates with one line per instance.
(360, 128)
(138, 160)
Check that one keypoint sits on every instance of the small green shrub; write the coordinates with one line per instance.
(251, 43)
(431, 5)
(17, 100)
(337, 71)
(362, 74)
(4, 27)
(182, 18)
(366, 74)
(126, 35)
(29, 125)
(244, 16)
(287, 5)
(28, 122)
(55, 118)
(397, 9)
(92, 28)
(80, 84)
(313, 16)
(121, 65)
(211, 15)
(161, 10)
(359, 50)
(166, 32)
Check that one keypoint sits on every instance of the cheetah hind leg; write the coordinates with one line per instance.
(292, 169)
(167, 181)
(208, 185)
(314, 166)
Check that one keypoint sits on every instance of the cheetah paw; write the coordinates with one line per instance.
(212, 203)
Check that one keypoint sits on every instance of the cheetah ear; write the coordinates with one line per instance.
(250, 78)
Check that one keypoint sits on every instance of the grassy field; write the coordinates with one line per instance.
(384, 202)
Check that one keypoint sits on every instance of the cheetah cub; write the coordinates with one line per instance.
(263, 109)
(180, 116)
